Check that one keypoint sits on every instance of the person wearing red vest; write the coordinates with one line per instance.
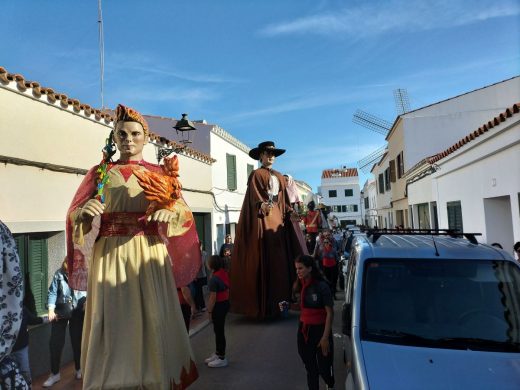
(315, 345)
(312, 221)
(218, 307)
(330, 265)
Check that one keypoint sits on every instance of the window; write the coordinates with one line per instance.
(34, 260)
(231, 162)
(333, 194)
(250, 168)
(343, 209)
(381, 182)
(367, 206)
(387, 179)
(351, 208)
(349, 192)
(392, 171)
(423, 216)
(400, 165)
(455, 215)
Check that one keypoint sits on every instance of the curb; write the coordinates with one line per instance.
(198, 328)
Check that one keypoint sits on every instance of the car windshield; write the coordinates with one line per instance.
(460, 304)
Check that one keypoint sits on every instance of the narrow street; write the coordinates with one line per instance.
(261, 355)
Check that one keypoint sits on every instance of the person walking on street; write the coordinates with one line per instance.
(315, 345)
(330, 265)
(66, 307)
(218, 307)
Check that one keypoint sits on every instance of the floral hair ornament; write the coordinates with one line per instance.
(127, 114)
(108, 151)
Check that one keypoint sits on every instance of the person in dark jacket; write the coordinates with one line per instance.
(315, 345)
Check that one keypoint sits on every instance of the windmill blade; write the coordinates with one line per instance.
(371, 122)
(366, 162)
(402, 102)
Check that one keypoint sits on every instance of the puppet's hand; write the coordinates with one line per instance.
(265, 208)
(162, 215)
(92, 208)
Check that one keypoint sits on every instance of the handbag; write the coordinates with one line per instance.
(63, 305)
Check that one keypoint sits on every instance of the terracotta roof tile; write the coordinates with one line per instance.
(344, 172)
(78, 107)
(502, 117)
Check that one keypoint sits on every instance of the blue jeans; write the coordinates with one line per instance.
(21, 357)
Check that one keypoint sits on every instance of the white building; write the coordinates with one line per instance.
(426, 130)
(340, 190)
(474, 185)
(369, 203)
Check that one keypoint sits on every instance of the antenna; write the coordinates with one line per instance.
(435, 245)
(371, 122)
(402, 103)
(101, 51)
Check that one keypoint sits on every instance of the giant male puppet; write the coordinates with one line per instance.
(267, 241)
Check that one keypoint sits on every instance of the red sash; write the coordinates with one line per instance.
(126, 224)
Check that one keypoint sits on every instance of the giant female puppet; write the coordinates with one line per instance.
(127, 225)
(267, 241)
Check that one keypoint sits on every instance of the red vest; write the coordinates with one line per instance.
(222, 275)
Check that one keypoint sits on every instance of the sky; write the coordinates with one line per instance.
(290, 71)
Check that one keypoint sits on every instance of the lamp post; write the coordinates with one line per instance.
(184, 126)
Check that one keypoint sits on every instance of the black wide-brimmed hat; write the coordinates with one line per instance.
(266, 145)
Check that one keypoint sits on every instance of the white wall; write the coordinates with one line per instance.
(340, 184)
(434, 128)
(231, 201)
(488, 167)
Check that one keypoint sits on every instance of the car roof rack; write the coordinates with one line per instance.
(376, 233)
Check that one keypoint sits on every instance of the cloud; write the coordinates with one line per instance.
(165, 94)
(397, 15)
(148, 65)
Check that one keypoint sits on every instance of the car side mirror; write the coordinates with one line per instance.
(346, 319)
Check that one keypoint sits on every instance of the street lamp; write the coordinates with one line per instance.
(184, 126)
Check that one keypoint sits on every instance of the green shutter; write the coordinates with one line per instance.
(38, 260)
(22, 252)
(231, 172)
(250, 169)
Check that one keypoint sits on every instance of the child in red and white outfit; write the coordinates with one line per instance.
(218, 307)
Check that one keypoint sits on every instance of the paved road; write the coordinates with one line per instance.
(262, 355)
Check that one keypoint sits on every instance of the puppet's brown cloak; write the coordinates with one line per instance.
(262, 263)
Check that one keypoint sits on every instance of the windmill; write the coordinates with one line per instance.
(380, 126)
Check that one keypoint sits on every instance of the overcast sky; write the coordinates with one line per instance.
(291, 71)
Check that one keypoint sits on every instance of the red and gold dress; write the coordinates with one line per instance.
(134, 335)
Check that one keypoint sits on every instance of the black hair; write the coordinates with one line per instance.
(316, 274)
(216, 262)
(497, 245)
(517, 246)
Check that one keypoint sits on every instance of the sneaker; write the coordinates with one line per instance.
(211, 358)
(219, 362)
(53, 378)
(77, 374)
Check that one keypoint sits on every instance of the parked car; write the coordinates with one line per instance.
(431, 312)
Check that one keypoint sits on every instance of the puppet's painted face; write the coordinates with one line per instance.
(130, 139)
(267, 158)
